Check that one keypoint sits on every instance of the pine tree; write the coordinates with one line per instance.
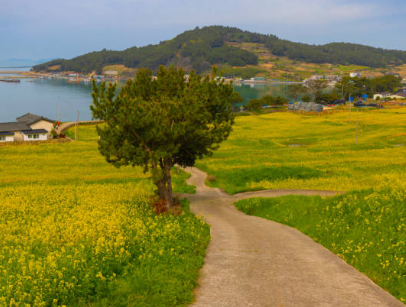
(161, 122)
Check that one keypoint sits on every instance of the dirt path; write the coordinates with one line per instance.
(68, 125)
(255, 262)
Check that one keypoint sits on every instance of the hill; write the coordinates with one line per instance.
(200, 48)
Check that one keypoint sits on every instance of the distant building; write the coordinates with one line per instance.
(382, 95)
(111, 72)
(355, 75)
(316, 77)
(398, 96)
(29, 127)
(332, 77)
(325, 77)
(392, 74)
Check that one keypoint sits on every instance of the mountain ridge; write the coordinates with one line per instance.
(201, 48)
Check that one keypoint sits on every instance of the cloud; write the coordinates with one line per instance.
(163, 12)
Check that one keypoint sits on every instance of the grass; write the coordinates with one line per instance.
(75, 231)
(235, 180)
(365, 228)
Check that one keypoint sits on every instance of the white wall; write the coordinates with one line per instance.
(42, 124)
(41, 137)
(9, 138)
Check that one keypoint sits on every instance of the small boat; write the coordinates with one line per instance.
(10, 80)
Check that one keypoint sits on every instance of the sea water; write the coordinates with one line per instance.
(45, 97)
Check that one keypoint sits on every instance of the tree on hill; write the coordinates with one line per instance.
(280, 101)
(157, 123)
(315, 86)
(306, 98)
(359, 86)
(236, 98)
(254, 104)
(345, 87)
(268, 100)
(294, 91)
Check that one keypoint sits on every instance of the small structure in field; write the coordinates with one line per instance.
(306, 107)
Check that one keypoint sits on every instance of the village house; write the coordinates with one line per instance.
(29, 127)
(397, 95)
(355, 74)
(381, 95)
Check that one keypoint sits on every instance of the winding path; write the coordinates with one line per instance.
(68, 125)
(252, 261)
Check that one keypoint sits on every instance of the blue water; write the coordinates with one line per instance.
(43, 96)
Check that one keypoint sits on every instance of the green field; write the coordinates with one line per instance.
(367, 229)
(75, 231)
(366, 226)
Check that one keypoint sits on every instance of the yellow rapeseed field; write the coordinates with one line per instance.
(307, 151)
(76, 231)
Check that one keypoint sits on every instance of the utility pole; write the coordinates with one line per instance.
(59, 113)
(349, 112)
(356, 138)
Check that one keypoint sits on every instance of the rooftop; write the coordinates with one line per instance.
(30, 118)
(34, 131)
(15, 126)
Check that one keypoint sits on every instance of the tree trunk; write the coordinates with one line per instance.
(164, 183)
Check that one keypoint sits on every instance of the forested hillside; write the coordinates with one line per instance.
(200, 48)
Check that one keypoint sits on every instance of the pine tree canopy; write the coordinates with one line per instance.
(159, 122)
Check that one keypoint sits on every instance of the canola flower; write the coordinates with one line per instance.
(322, 148)
(76, 231)
(59, 244)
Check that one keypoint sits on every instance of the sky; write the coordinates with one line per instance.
(47, 29)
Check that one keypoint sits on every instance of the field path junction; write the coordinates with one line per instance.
(252, 261)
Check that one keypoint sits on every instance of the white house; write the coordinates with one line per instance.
(37, 122)
(382, 95)
(6, 136)
(29, 127)
(35, 135)
(399, 95)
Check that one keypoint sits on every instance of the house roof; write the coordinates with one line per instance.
(30, 118)
(6, 133)
(16, 126)
(32, 131)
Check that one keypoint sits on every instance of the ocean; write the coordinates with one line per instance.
(44, 97)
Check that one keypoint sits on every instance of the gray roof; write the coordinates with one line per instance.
(32, 131)
(32, 118)
(16, 126)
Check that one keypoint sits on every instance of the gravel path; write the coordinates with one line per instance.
(252, 261)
